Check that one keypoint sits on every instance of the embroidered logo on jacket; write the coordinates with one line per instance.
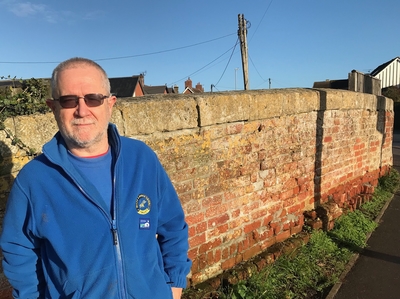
(143, 204)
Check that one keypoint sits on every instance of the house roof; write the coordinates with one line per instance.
(170, 90)
(124, 86)
(15, 83)
(335, 84)
(155, 89)
(192, 90)
(383, 66)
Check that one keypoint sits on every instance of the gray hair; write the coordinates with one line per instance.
(71, 63)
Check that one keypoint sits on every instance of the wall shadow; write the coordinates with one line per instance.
(366, 252)
(381, 123)
(319, 138)
(396, 108)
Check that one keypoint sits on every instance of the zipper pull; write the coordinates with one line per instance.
(114, 232)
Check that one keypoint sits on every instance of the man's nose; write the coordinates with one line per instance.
(82, 109)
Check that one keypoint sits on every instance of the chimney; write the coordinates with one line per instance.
(199, 87)
(176, 89)
(141, 79)
(188, 83)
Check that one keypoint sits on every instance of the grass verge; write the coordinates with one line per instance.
(312, 269)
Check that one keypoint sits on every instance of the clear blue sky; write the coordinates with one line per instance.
(291, 42)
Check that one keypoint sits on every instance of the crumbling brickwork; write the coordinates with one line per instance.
(248, 165)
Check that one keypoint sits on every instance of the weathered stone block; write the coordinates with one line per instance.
(154, 114)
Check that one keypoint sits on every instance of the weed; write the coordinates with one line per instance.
(391, 181)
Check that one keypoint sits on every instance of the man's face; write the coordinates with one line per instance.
(83, 128)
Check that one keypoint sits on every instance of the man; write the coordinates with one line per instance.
(94, 216)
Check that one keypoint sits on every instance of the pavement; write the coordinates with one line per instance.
(375, 272)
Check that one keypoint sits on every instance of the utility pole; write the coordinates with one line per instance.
(242, 33)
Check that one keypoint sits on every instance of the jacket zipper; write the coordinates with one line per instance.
(114, 231)
(120, 269)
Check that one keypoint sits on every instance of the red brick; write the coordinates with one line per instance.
(252, 226)
(216, 210)
(201, 227)
(217, 231)
(216, 221)
(251, 252)
(282, 236)
(197, 240)
(211, 201)
(192, 253)
(202, 260)
(192, 231)
(296, 229)
(228, 264)
(195, 218)
(184, 187)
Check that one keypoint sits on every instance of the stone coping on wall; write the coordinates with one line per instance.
(168, 113)
(147, 115)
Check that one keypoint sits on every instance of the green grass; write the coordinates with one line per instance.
(352, 230)
(312, 269)
(304, 273)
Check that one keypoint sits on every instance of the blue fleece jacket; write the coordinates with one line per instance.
(60, 240)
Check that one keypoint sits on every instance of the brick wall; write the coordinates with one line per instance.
(246, 165)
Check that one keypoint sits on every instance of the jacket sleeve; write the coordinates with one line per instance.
(173, 234)
(21, 250)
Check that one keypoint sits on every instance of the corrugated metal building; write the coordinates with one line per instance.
(388, 73)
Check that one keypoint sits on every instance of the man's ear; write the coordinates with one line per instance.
(111, 101)
(51, 104)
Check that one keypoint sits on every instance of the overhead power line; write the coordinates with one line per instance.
(234, 47)
(259, 23)
(205, 65)
(251, 60)
(123, 57)
(163, 51)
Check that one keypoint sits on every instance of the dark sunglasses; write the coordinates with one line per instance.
(91, 100)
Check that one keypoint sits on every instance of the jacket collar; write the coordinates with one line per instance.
(57, 152)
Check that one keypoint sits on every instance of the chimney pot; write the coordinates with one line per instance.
(188, 83)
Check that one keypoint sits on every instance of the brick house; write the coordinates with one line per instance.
(134, 87)
(190, 89)
(127, 86)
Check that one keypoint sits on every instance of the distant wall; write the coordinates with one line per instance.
(356, 81)
(246, 165)
(361, 82)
